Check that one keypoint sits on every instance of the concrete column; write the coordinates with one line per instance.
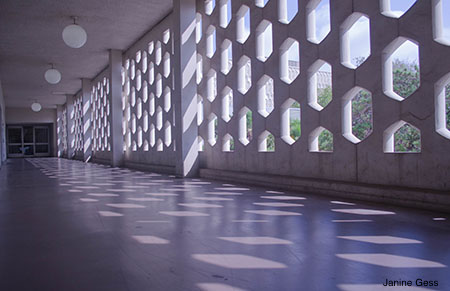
(115, 81)
(59, 130)
(70, 126)
(87, 132)
(185, 92)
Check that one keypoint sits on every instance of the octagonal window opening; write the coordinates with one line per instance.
(243, 24)
(200, 110)
(138, 80)
(138, 56)
(145, 91)
(355, 40)
(401, 137)
(199, 70)
(321, 140)
(159, 118)
(166, 65)
(226, 56)
(139, 108)
(201, 144)
(151, 47)
(395, 8)
(209, 6)
(159, 145)
(244, 74)
(287, 10)
(133, 123)
(133, 97)
(212, 129)
(158, 53)
(318, 20)
(291, 129)
(210, 41)
(152, 135)
(289, 60)
(227, 143)
(264, 47)
(442, 106)
(146, 146)
(211, 85)
(134, 146)
(261, 3)
(145, 121)
(319, 85)
(227, 104)
(139, 137)
(151, 73)
(266, 142)
(265, 95)
(158, 85)
(198, 28)
(225, 13)
(166, 36)
(441, 21)
(132, 70)
(167, 99)
(401, 68)
(167, 134)
(144, 62)
(245, 126)
(357, 114)
(151, 104)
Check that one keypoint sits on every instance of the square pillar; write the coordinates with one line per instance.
(115, 81)
(70, 126)
(87, 132)
(185, 92)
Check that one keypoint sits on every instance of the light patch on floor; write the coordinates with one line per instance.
(109, 213)
(200, 205)
(249, 220)
(391, 261)
(351, 220)
(272, 212)
(125, 205)
(153, 221)
(121, 190)
(231, 189)
(278, 204)
(183, 213)
(150, 240)
(162, 194)
(103, 195)
(364, 211)
(257, 240)
(217, 287)
(213, 198)
(145, 199)
(222, 193)
(88, 200)
(382, 239)
(238, 261)
(342, 203)
(283, 197)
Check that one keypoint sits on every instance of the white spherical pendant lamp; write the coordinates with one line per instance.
(36, 107)
(53, 76)
(74, 35)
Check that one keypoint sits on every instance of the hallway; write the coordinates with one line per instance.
(68, 225)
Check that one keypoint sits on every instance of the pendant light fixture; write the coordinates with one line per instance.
(74, 35)
(52, 75)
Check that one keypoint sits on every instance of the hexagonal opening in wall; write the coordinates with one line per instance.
(138, 80)
(212, 129)
(227, 104)
(151, 47)
(319, 85)
(318, 21)
(158, 85)
(287, 10)
(291, 128)
(145, 121)
(159, 118)
(228, 143)
(401, 137)
(401, 68)
(395, 8)
(355, 40)
(226, 56)
(167, 99)
(261, 3)
(357, 114)
(265, 95)
(132, 69)
(198, 28)
(243, 24)
(289, 60)
(167, 133)
(159, 145)
(158, 53)
(209, 6)
(166, 36)
(245, 125)
(320, 140)
(211, 85)
(266, 142)
(244, 74)
(441, 21)
(151, 73)
(145, 92)
(144, 62)
(139, 137)
(200, 109)
(442, 106)
(201, 144)
(166, 66)
(210, 41)
(264, 46)
(152, 135)
(139, 108)
(225, 13)
(199, 70)
(151, 104)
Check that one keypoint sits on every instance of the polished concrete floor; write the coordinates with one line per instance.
(67, 225)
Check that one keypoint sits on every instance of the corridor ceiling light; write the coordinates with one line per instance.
(36, 107)
(53, 76)
(74, 35)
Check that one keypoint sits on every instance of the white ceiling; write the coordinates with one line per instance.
(30, 39)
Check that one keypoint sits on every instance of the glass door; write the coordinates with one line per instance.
(15, 146)
(41, 141)
(28, 141)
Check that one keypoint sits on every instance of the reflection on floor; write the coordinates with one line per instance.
(67, 225)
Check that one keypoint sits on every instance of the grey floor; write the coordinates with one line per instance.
(67, 225)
